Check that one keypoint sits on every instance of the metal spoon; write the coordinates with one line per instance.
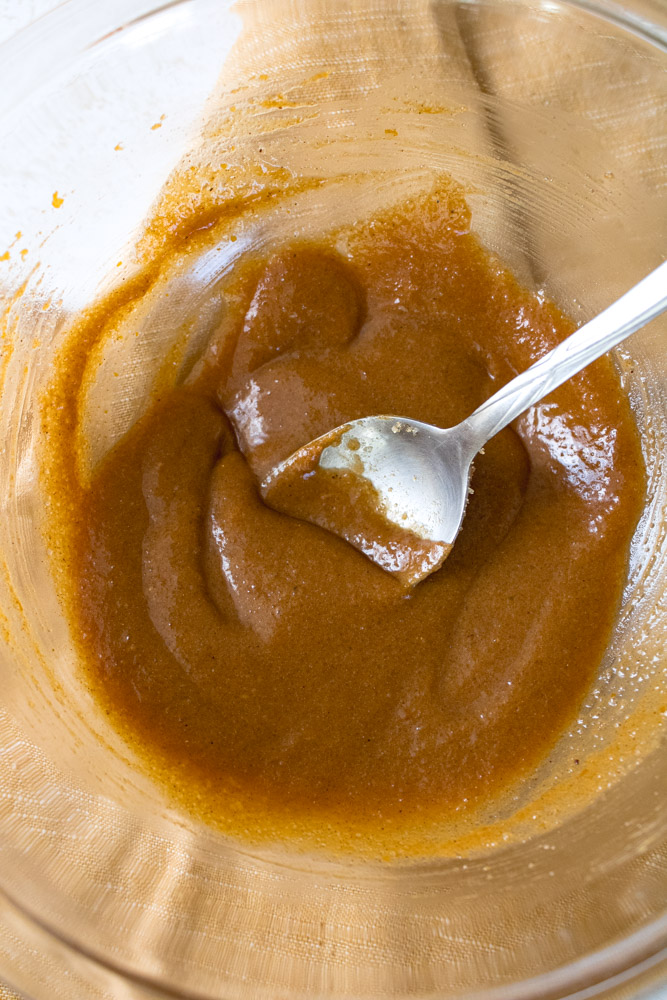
(417, 475)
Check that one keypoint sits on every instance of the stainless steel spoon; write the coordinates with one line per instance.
(419, 474)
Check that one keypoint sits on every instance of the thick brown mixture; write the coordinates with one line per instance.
(276, 674)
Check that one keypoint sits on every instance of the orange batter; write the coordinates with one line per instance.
(266, 667)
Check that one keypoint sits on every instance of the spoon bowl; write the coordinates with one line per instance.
(420, 473)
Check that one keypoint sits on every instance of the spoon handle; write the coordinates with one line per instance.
(642, 303)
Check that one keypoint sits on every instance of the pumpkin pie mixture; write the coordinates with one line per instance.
(267, 672)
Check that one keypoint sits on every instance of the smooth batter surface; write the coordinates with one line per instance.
(276, 676)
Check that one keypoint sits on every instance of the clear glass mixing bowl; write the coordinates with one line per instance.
(552, 116)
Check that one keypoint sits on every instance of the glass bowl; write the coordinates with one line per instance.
(551, 116)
